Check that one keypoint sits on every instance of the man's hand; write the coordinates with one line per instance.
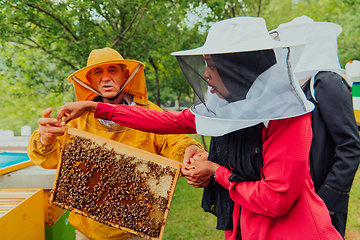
(197, 169)
(74, 110)
(49, 128)
(193, 151)
(199, 173)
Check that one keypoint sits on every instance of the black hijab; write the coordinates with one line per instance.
(239, 151)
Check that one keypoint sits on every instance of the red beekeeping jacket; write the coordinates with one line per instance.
(283, 204)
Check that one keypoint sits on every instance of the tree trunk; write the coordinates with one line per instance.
(157, 97)
(204, 143)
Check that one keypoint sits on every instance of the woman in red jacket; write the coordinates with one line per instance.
(256, 177)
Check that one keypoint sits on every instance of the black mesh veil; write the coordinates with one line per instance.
(193, 67)
(236, 72)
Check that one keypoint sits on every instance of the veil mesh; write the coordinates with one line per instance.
(193, 67)
(242, 89)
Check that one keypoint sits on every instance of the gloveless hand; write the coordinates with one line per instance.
(74, 110)
(199, 173)
(49, 128)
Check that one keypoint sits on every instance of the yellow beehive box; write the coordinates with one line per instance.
(22, 214)
(115, 184)
(52, 213)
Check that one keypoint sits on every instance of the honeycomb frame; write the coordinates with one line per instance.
(133, 193)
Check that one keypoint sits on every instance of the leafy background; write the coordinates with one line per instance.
(44, 41)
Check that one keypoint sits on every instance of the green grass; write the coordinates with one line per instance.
(186, 219)
(200, 140)
(353, 221)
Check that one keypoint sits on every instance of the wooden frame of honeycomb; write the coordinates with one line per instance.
(115, 184)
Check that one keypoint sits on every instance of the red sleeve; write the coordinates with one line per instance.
(148, 120)
(286, 149)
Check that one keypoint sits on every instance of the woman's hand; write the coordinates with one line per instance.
(74, 110)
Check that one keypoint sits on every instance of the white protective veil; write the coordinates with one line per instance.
(242, 77)
(321, 51)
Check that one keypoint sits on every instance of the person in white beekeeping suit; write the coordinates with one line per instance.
(335, 149)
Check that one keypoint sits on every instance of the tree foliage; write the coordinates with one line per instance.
(349, 40)
(44, 41)
(342, 12)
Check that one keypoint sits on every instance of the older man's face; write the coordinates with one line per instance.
(108, 79)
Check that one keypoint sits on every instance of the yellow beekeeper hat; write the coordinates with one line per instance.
(136, 86)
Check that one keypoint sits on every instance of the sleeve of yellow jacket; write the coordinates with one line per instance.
(44, 156)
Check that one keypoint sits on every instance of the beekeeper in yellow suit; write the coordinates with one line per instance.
(107, 78)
